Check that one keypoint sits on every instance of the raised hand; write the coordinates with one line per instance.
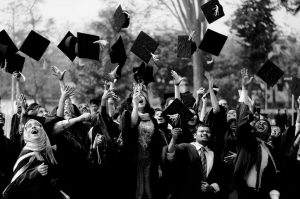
(176, 132)
(58, 73)
(191, 35)
(246, 80)
(43, 169)
(177, 78)
(68, 91)
(85, 116)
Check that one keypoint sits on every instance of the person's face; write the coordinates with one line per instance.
(275, 131)
(42, 112)
(261, 127)
(142, 102)
(111, 104)
(183, 86)
(223, 103)
(159, 118)
(94, 108)
(193, 120)
(33, 129)
(203, 134)
(231, 114)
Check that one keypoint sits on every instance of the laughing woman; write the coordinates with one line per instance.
(142, 147)
(33, 173)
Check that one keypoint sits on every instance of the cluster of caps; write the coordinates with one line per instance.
(86, 46)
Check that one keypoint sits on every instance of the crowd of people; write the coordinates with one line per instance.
(107, 149)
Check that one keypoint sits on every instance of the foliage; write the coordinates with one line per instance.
(292, 6)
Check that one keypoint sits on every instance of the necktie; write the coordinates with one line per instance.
(203, 162)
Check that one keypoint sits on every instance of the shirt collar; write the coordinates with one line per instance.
(199, 146)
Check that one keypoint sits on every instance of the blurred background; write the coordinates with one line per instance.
(257, 30)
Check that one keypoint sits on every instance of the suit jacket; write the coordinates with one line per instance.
(185, 173)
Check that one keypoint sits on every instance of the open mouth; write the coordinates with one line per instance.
(34, 132)
(141, 101)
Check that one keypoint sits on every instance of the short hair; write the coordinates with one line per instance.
(201, 125)
(95, 101)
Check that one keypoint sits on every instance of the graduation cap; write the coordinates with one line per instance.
(212, 42)
(118, 53)
(27, 117)
(144, 46)
(35, 45)
(68, 46)
(86, 46)
(177, 114)
(121, 19)
(15, 63)
(7, 41)
(186, 47)
(212, 10)
(269, 73)
(143, 73)
(169, 95)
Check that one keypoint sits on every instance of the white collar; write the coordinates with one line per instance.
(199, 146)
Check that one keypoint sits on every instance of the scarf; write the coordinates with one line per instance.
(38, 144)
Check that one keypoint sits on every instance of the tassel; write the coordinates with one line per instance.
(155, 57)
(102, 43)
(45, 64)
(23, 76)
(210, 61)
(216, 8)
(191, 36)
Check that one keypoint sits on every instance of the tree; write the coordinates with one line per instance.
(254, 23)
(291, 5)
(190, 17)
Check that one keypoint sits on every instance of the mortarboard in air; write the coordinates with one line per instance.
(143, 73)
(86, 46)
(118, 53)
(143, 46)
(34, 45)
(177, 114)
(212, 10)
(68, 46)
(213, 42)
(269, 73)
(121, 19)
(186, 47)
(7, 41)
(3, 52)
(15, 63)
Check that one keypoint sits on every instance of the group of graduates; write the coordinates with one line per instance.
(182, 150)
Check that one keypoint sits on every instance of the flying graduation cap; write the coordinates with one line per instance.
(269, 73)
(3, 53)
(86, 46)
(177, 114)
(213, 42)
(34, 45)
(118, 53)
(212, 10)
(121, 19)
(186, 47)
(15, 63)
(7, 41)
(143, 73)
(144, 46)
(68, 46)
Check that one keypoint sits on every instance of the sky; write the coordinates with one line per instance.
(76, 15)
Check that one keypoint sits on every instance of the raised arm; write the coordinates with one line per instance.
(135, 101)
(297, 126)
(203, 109)
(177, 80)
(60, 76)
(213, 97)
(67, 92)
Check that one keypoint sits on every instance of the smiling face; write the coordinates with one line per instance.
(42, 112)
(262, 129)
(33, 130)
(142, 103)
(203, 135)
(159, 118)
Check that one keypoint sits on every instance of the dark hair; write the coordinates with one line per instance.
(201, 125)
(95, 101)
(157, 109)
(127, 105)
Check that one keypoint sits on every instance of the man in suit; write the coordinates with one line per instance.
(193, 168)
(255, 171)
